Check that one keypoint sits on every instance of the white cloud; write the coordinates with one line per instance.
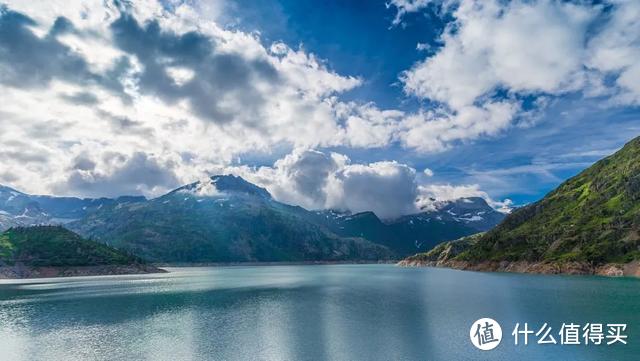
(423, 47)
(368, 126)
(616, 49)
(496, 52)
(430, 193)
(299, 178)
(436, 130)
(306, 72)
(123, 175)
(180, 75)
(523, 46)
(109, 99)
(318, 180)
(386, 188)
(407, 6)
(205, 187)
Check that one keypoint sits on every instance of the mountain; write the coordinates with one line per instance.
(589, 224)
(223, 219)
(409, 234)
(53, 250)
(473, 212)
(227, 219)
(21, 209)
(17, 208)
(67, 209)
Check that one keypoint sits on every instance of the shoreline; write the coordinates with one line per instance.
(274, 263)
(27, 272)
(631, 269)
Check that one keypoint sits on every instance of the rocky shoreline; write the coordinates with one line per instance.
(631, 269)
(18, 272)
(446, 255)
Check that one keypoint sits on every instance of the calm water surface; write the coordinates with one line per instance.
(338, 312)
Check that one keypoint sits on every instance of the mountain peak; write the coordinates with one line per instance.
(471, 203)
(224, 183)
(457, 205)
(232, 183)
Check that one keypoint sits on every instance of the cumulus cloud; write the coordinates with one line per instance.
(138, 174)
(386, 188)
(523, 46)
(320, 180)
(300, 178)
(616, 50)
(432, 131)
(495, 53)
(224, 79)
(25, 59)
(90, 79)
(368, 126)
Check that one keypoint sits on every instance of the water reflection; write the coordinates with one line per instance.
(365, 312)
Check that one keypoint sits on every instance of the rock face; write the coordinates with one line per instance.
(590, 224)
(49, 251)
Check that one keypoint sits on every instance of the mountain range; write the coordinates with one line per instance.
(407, 234)
(21, 209)
(227, 219)
(589, 224)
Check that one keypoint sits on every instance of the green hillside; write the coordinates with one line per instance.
(593, 217)
(53, 246)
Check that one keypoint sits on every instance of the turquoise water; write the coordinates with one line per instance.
(337, 312)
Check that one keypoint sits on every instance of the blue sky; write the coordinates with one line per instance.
(354, 37)
(358, 37)
(405, 100)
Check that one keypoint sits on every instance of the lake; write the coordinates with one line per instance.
(324, 312)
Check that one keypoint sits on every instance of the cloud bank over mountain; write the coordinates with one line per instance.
(318, 180)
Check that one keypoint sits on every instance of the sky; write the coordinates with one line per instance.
(354, 105)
